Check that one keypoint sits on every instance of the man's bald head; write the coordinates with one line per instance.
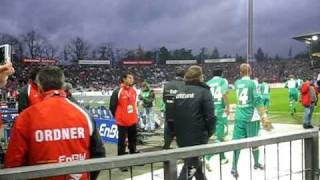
(245, 69)
(291, 76)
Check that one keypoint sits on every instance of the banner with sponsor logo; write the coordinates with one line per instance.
(181, 61)
(106, 124)
(221, 60)
(108, 130)
(137, 62)
(93, 62)
(40, 61)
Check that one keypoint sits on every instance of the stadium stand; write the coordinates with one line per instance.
(105, 77)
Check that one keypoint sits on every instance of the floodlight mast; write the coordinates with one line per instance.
(250, 32)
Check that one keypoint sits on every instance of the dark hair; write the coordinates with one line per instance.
(125, 75)
(217, 72)
(51, 78)
(180, 72)
(33, 73)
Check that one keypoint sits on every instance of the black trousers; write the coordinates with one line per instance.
(169, 134)
(131, 133)
(192, 168)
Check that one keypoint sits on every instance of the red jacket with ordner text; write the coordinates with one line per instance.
(123, 105)
(52, 131)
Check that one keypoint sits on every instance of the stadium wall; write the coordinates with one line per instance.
(156, 90)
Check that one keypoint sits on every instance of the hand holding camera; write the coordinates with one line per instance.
(6, 68)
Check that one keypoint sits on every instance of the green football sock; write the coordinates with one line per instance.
(208, 157)
(236, 154)
(222, 156)
(256, 152)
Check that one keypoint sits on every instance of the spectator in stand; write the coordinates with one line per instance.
(147, 97)
(68, 88)
(54, 130)
(105, 76)
(29, 94)
(123, 106)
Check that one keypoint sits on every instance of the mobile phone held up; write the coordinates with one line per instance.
(5, 53)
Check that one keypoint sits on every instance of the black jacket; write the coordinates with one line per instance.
(194, 121)
(23, 101)
(169, 91)
(114, 101)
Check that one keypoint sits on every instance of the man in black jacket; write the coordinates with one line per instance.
(169, 91)
(29, 94)
(195, 121)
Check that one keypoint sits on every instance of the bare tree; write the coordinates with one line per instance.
(105, 51)
(35, 44)
(76, 50)
(140, 53)
(49, 51)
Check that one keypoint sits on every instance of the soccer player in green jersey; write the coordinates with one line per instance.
(265, 92)
(292, 85)
(299, 84)
(246, 125)
(219, 90)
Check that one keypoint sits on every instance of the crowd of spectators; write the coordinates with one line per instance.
(106, 77)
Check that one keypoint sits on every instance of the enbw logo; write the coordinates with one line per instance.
(110, 132)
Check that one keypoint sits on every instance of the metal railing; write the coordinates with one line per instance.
(169, 158)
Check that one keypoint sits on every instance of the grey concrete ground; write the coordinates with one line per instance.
(154, 142)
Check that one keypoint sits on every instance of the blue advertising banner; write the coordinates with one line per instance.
(108, 130)
(106, 124)
(9, 114)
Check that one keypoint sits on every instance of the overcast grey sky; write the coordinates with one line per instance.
(171, 23)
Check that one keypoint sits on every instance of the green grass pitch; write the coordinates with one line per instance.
(279, 108)
(278, 112)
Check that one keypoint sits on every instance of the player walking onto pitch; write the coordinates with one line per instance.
(219, 90)
(292, 85)
(299, 84)
(265, 92)
(247, 100)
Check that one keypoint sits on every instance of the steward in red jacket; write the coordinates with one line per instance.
(123, 106)
(306, 96)
(54, 130)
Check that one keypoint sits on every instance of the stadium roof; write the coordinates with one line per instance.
(307, 38)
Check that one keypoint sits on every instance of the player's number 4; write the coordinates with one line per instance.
(217, 95)
(243, 96)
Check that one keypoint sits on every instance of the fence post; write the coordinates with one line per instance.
(311, 160)
(170, 170)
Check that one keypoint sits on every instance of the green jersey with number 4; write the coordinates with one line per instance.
(247, 99)
(218, 87)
